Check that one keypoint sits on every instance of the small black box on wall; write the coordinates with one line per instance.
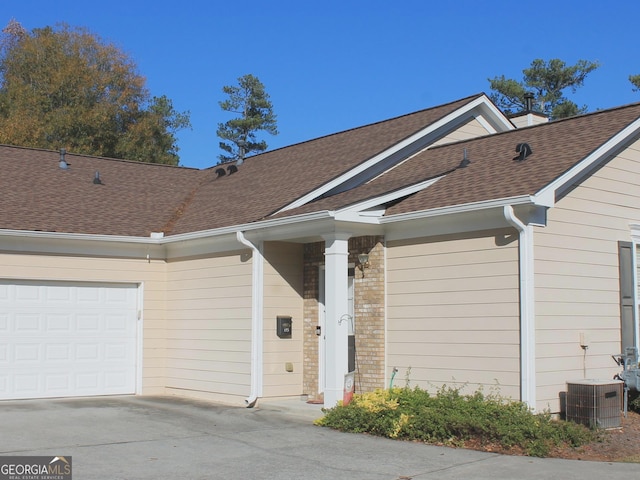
(283, 326)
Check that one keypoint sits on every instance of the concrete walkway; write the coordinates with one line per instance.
(164, 438)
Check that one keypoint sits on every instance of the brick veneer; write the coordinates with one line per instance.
(369, 313)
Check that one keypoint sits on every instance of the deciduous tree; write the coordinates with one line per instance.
(65, 87)
(547, 81)
(251, 102)
(635, 81)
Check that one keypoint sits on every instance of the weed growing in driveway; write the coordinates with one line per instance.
(451, 418)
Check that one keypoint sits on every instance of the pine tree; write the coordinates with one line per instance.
(547, 81)
(250, 101)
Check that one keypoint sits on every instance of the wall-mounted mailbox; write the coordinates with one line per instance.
(283, 326)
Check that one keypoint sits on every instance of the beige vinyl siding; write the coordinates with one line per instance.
(132, 271)
(209, 327)
(470, 129)
(576, 277)
(453, 312)
(283, 274)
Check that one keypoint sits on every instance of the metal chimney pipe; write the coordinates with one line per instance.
(528, 102)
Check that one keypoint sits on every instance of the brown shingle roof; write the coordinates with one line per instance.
(493, 172)
(134, 199)
(265, 183)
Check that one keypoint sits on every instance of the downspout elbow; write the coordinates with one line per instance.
(510, 216)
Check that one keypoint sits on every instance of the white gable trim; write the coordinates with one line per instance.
(548, 195)
(366, 210)
(398, 151)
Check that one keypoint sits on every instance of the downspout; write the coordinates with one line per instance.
(527, 312)
(257, 291)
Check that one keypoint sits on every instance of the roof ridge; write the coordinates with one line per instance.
(95, 157)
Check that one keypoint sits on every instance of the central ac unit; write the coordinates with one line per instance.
(595, 403)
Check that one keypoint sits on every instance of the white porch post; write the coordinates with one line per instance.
(336, 306)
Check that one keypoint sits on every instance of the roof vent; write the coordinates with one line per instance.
(465, 160)
(232, 169)
(63, 163)
(220, 172)
(524, 150)
(97, 180)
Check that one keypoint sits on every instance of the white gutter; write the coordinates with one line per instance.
(156, 239)
(263, 224)
(527, 312)
(81, 236)
(257, 291)
(466, 207)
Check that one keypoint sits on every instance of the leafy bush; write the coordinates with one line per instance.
(453, 419)
(634, 401)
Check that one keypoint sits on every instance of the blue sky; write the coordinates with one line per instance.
(333, 65)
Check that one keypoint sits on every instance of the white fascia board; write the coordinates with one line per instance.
(295, 221)
(157, 248)
(366, 210)
(76, 236)
(486, 125)
(482, 103)
(547, 195)
(465, 207)
(57, 243)
(493, 112)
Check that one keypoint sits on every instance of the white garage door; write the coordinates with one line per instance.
(63, 340)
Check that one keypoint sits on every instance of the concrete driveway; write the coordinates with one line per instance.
(165, 438)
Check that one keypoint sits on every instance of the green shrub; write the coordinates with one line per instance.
(450, 418)
(634, 401)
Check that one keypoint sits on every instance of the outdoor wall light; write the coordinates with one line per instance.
(363, 262)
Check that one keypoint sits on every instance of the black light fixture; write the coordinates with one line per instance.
(363, 262)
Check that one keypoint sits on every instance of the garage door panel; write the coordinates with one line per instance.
(67, 340)
(27, 384)
(58, 384)
(27, 354)
(25, 322)
(58, 323)
(88, 323)
(29, 294)
(58, 352)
